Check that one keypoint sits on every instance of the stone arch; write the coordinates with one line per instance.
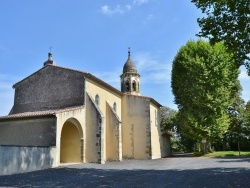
(71, 142)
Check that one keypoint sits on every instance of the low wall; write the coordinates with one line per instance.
(14, 159)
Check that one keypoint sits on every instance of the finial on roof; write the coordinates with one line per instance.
(50, 53)
(50, 60)
(128, 52)
(50, 56)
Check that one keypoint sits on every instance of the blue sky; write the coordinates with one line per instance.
(94, 36)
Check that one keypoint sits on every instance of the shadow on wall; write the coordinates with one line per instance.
(14, 159)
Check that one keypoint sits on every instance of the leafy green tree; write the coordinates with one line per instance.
(167, 119)
(227, 21)
(170, 122)
(187, 135)
(239, 129)
(204, 84)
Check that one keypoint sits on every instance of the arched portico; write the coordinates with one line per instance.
(71, 142)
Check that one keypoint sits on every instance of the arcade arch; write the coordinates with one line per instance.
(71, 142)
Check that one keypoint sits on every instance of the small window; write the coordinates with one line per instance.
(127, 86)
(97, 99)
(134, 86)
(114, 106)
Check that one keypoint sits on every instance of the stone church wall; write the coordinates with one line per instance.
(105, 95)
(94, 150)
(156, 137)
(113, 135)
(51, 87)
(15, 159)
(136, 139)
(28, 132)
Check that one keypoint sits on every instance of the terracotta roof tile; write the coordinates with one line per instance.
(39, 113)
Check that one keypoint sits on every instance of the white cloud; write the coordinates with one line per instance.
(117, 10)
(245, 83)
(154, 70)
(243, 75)
(128, 7)
(140, 2)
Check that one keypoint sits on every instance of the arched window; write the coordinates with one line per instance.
(114, 106)
(97, 99)
(127, 86)
(134, 86)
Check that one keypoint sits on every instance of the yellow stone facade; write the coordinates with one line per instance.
(89, 121)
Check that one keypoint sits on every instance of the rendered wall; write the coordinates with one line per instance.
(94, 149)
(156, 137)
(51, 87)
(113, 136)
(105, 95)
(136, 127)
(77, 119)
(166, 147)
(25, 159)
(28, 132)
(70, 144)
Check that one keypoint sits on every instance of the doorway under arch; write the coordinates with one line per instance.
(71, 142)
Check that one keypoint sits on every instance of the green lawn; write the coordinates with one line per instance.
(228, 154)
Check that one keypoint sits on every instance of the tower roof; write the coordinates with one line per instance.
(50, 60)
(129, 66)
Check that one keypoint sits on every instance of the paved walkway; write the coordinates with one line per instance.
(172, 172)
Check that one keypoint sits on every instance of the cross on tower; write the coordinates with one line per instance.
(50, 48)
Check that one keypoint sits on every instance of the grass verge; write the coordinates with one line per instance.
(225, 154)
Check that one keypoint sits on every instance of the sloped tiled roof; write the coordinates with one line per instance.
(86, 74)
(39, 113)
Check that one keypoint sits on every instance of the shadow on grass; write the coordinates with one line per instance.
(72, 177)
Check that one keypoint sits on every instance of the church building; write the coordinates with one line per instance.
(61, 115)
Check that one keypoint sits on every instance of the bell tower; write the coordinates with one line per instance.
(130, 79)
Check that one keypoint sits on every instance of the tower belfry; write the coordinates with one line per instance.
(130, 79)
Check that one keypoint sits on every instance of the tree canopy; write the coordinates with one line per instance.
(204, 85)
(237, 136)
(227, 21)
(167, 118)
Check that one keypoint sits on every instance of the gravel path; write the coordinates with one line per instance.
(168, 172)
